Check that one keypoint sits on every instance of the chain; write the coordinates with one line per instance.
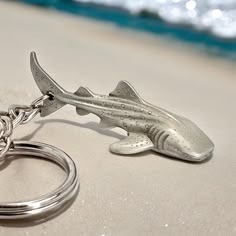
(16, 115)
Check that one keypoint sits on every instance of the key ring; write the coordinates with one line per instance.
(53, 201)
(148, 127)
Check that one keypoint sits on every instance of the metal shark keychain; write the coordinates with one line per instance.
(148, 127)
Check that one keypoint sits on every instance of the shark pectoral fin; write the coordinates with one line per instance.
(83, 92)
(134, 143)
(126, 91)
(106, 123)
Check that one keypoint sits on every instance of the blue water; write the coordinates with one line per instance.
(144, 22)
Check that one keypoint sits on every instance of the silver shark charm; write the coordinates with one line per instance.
(148, 127)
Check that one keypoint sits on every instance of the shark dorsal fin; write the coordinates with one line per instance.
(126, 91)
(84, 92)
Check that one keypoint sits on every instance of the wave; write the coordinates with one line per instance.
(215, 16)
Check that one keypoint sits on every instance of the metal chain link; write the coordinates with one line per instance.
(16, 115)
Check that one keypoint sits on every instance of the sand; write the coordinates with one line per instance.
(145, 194)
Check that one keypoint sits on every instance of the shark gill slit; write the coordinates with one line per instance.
(163, 139)
(155, 135)
(157, 138)
(151, 131)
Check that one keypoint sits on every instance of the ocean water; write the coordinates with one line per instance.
(144, 15)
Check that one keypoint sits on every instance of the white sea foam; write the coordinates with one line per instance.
(215, 16)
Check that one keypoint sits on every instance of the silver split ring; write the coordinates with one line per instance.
(51, 202)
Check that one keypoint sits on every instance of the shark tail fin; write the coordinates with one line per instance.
(83, 92)
(46, 85)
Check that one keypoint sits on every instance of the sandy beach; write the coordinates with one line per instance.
(145, 194)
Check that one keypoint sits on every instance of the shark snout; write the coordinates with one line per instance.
(199, 147)
(194, 148)
(198, 156)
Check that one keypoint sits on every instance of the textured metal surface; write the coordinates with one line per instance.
(51, 202)
(148, 127)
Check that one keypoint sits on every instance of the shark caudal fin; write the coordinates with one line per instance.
(46, 85)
